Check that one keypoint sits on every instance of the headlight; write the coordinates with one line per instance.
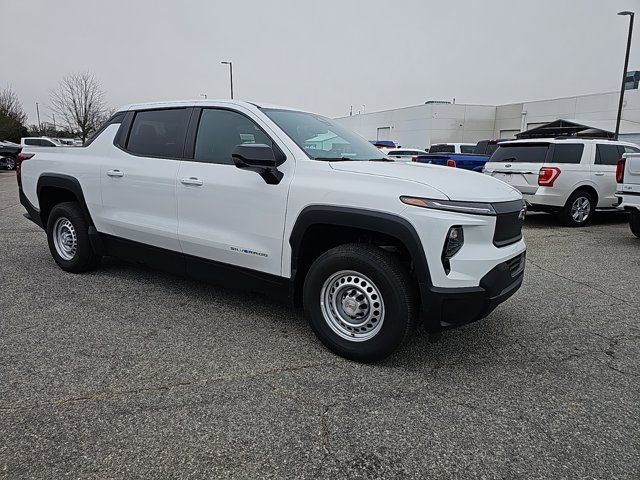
(474, 208)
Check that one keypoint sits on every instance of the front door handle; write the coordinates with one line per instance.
(115, 173)
(599, 174)
(191, 181)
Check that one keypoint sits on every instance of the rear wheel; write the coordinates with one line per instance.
(579, 209)
(634, 222)
(68, 237)
(360, 301)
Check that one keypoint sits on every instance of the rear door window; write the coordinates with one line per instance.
(607, 154)
(521, 153)
(159, 133)
(467, 148)
(566, 153)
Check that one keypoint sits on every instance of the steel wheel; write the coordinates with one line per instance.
(580, 209)
(352, 305)
(65, 239)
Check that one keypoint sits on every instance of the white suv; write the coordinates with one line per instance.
(568, 176)
(628, 190)
(403, 154)
(39, 142)
(287, 203)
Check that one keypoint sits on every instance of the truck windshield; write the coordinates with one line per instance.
(321, 138)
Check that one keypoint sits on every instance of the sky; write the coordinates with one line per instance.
(323, 56)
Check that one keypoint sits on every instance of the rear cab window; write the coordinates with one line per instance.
(442, 149)
(467, 148)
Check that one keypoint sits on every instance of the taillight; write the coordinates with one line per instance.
(414, 159)
(451, 163)
(21, 157)
(547, 176)
(620, 170)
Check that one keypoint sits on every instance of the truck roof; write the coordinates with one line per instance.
(202, 103)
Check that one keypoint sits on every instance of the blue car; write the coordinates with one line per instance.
(468, 161)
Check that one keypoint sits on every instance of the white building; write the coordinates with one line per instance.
(423, 125)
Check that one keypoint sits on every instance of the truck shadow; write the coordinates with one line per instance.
(545, 220)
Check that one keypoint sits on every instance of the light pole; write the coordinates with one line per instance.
(624, 72)
(38, 113)
(230, 75)
(204, 95)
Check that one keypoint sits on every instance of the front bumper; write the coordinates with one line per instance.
(454, 307)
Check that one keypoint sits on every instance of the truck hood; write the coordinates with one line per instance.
(454, 183)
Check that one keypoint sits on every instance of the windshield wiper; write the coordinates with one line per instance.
(335, 159)
(380, 160)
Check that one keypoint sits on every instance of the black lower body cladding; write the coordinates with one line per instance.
(454, 307)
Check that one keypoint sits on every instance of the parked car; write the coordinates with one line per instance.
(247, 196)
(569, 176)
(628, 188)
(474, 160)
(383, 143)
(452, 148)
(39, 142)
(404, 154)
(8, 155)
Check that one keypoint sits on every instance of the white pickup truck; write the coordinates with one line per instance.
(628, 189)
(288, 203)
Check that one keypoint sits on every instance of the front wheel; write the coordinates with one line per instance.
(634, 222)
(578, 210)
(360, 301)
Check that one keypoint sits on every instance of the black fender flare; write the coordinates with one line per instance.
(64, 182)
(372, 220)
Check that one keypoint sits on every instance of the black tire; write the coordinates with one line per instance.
(634, 222)
(388, 276)
(83, 258)
(567, 214)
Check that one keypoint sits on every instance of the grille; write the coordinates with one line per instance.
(516, 264)
(508, 223)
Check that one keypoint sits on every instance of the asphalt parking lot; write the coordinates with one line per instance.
(130, 373)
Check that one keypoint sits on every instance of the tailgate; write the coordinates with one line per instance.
(518, 164)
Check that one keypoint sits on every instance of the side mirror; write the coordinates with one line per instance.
(259, 158)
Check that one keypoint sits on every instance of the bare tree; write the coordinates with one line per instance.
(12, 116)
(79, 100)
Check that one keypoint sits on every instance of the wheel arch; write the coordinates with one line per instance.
(319, 228)
(587, 187)
(54, 188)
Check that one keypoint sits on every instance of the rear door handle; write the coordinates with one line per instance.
(599, 174)
(191, 181)
(115, 173)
